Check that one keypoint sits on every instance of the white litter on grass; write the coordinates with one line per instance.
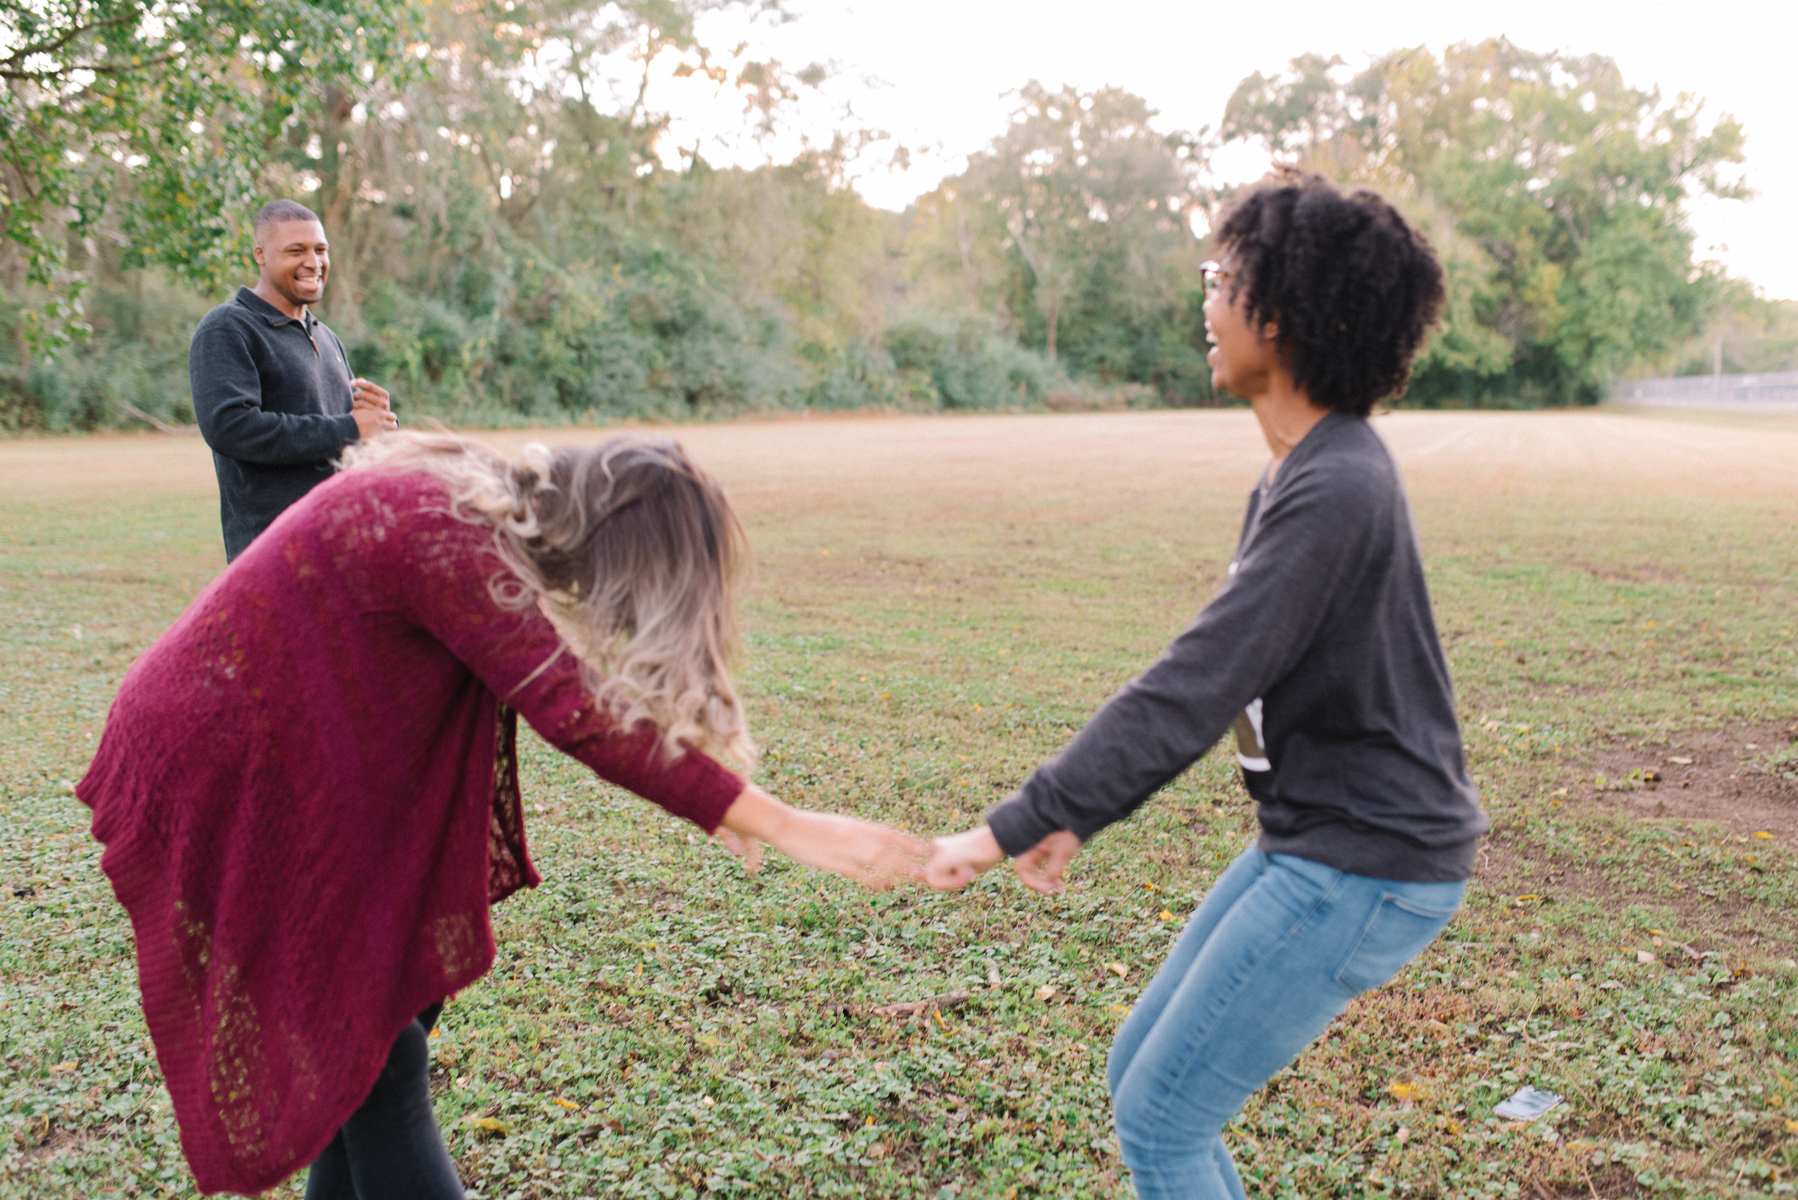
(1526, 1104)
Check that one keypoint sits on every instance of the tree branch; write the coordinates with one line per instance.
(41, 76)
(51, 47)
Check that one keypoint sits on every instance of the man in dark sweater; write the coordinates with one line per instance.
(273, 391)
(1321, 651)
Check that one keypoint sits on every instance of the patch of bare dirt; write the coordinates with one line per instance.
(1721, 775)
(1712, 775)
(1724, 919)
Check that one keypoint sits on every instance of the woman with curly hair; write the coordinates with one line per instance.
(308, 790)
(1321, 652)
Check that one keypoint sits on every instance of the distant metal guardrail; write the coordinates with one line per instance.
(1739, 393)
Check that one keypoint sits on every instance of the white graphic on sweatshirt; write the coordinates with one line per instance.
(1251, 749)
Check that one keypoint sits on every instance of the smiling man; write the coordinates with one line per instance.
(273, 391)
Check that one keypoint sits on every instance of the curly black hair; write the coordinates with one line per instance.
(1352, 287)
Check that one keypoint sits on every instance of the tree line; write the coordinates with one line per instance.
(510, 246)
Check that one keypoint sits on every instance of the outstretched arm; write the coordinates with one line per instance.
(872, 855)
(956, 859)
(518, 654)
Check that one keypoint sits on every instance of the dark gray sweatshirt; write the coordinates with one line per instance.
(272, 397)
(1321, 649)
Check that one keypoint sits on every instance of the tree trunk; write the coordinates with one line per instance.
(965, 241)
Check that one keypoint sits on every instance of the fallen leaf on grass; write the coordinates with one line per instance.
(1045, 991)
(64, 1068)
(1402, 1091)
(1761, 833)
(1166, 915)
(1118, 969)
(593, 1131)
(570, 1105)
(1684, 762)
(487, 1123)
(706, 1039)
(1644, 957)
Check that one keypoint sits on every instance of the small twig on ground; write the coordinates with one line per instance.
(132, 410)
(954, 999)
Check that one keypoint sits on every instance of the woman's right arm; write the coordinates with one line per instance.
(873, 855)
(520, 657)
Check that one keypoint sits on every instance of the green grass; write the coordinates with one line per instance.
(657, 1025)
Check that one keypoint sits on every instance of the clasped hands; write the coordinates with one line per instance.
(879, 856)
(371, 407)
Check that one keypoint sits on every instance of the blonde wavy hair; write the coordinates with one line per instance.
(635, 555)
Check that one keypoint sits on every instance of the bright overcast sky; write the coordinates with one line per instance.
(935, 74)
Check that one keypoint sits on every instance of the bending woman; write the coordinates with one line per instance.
(1320, 649)
(308, 792)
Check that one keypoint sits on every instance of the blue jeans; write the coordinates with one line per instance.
(1274, 954)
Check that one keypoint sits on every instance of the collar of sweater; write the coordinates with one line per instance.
(270, 313)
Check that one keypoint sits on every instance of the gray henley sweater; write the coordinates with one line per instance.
(272, 398)
(1321, 650)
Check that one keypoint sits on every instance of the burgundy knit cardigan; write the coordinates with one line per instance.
(308, 797)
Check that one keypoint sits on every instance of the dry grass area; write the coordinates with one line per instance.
(1602, 450)
(939, 603)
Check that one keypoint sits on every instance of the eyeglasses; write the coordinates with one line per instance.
(1212, 276)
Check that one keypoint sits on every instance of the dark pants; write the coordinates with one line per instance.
(390, 1148)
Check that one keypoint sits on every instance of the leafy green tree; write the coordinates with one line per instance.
(168, 113)
(515, 245)
(1075, 226)
(1557, 192)
(1744, 334)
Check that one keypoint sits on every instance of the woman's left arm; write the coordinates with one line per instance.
(1263, 620)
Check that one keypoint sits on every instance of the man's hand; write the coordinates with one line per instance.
(371, 407)
(371, 421)
(364, 394)
(1039, 868)
(956, 859)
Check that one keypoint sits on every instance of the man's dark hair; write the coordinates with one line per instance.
(1352, 287)
(276, 211)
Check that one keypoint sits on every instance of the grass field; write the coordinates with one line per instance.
(939, 604)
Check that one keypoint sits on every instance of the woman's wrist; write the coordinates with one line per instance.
(979, 845)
